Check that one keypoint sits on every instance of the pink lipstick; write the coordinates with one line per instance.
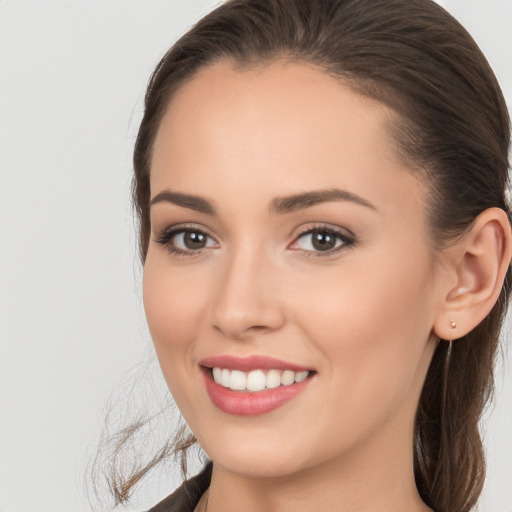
(252, 385)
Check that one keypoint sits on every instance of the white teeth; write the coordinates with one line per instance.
(225, 378)
(287, 378)
(273, 379)
(217, 375)
(300, 376)
(256, 380)
(238, 380)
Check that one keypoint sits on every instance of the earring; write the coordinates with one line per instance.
(453, 324)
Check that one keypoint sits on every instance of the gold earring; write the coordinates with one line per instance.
(453, 324)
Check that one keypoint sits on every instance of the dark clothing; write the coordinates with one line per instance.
(186, 497)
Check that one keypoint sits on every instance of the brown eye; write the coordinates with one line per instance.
(323, 240)
(194, 240)
(185, 241)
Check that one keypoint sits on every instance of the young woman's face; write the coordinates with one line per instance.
(288, 242)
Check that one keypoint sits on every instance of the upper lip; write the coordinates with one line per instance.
(254, 362)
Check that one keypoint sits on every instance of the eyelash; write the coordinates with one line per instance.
(348, 240)
(165, 237)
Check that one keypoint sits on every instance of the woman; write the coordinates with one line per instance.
(326, 246)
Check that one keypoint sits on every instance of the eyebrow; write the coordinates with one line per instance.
(199, 204)
(279, 205)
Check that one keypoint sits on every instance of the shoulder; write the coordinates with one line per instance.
(186, 497)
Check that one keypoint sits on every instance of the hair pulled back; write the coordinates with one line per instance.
(451, 127)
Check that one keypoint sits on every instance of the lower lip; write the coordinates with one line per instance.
(245, 403)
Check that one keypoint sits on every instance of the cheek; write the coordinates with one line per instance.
(173, 303)
(371, 321)
(366, 295)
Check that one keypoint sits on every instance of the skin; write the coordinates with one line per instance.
(363, 317)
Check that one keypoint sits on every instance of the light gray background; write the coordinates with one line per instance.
(72, 77)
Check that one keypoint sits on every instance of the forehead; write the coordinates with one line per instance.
(285, 125)
(280, 95)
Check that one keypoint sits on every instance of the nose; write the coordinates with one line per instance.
(247, 299)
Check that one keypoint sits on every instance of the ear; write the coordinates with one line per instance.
(476, 269)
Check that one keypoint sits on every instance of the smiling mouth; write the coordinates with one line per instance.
(257, 380)
(253, 385)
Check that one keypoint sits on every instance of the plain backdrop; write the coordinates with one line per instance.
(72, 78)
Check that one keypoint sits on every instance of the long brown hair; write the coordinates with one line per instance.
(451, 127)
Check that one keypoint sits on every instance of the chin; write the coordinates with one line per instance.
(257, 455)
(256, 465)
